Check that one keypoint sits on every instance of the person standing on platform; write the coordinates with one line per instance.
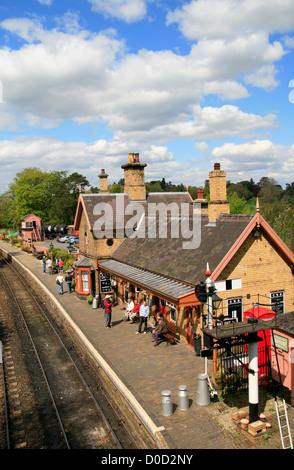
(60, 265)
(59, 282)
(68, 280)
(108, 310)
(144, 312)
(49, 265)
(44, 264)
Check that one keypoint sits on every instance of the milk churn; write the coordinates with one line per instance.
(183, 399)
(167, 404)
(202, 394)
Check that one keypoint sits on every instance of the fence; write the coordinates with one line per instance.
(233, 363)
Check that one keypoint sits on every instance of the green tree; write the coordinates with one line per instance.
(64, 196)
(32, 192)
(237, 204)
(115, 188)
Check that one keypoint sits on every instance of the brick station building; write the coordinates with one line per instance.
(249, 263)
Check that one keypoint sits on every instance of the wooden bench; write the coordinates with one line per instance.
(169, 337)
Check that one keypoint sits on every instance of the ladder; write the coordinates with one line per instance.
(283, 422)
(281, 410)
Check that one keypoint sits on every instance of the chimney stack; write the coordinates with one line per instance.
(200, 200)
(218, 203)
(134, 178)
(103, 182)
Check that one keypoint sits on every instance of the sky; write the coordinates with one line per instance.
(183, 83)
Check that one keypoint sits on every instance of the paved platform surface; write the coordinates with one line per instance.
(144, 369)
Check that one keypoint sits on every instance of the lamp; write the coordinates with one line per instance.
(256, 233)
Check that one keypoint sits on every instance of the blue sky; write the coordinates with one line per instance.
(183, 83)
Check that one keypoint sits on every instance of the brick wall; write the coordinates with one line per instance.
(262, 271)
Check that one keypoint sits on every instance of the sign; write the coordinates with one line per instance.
(105, 283)
(281, 342)
(205, 352)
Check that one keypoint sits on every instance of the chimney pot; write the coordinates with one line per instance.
(217, 166)
(200, 194)
(102, 172)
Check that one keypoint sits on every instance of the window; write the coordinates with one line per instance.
(277, 301)
(85, 279)
(172, 311)
(126, 292)
(235, 308)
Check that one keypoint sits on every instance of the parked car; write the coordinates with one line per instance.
(65, 239)
(74, 240)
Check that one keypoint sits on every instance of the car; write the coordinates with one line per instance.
(65, 239)
(74, 240)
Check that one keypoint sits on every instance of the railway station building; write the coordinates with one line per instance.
(157, 246)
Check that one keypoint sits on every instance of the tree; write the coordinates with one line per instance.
(237, 204)
(115, 188)
(270, 191)
(32, 192)
(65, 192)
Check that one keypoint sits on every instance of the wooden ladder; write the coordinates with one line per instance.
(283, 422)
(281, 409)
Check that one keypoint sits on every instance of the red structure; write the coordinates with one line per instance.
(264, 344)
(31, 228)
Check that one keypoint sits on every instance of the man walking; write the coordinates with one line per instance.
(144, 313)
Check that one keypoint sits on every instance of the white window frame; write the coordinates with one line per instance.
(173, 308)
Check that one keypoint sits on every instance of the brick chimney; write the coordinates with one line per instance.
(218, 203)
(134, 178)
(103, 187)
(200, 200)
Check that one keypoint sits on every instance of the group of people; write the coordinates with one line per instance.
(47, 265)
(68, 279)
(135, 309)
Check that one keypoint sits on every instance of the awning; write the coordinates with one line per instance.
(161, 286)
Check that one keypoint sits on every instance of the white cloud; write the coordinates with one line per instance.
(125, 10)
(207, 123)
(147, 99)
(226, 19)
(256, 159)
(45, 2)
(74, 74)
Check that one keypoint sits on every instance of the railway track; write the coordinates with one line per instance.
(50, 399)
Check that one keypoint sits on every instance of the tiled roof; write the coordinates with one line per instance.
(166, 256)
(119, 208)
(84, 262)
(285, 322)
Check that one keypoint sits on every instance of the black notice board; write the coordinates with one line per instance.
(105, 283)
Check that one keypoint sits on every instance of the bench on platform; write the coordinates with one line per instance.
(169, 337)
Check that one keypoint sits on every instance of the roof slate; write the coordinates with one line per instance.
(166, 256)
(285, 322)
